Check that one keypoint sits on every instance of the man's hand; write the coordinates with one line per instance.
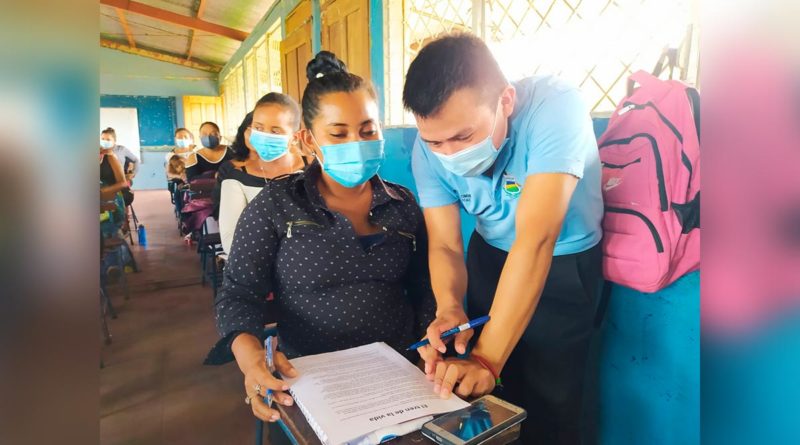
(446, 319)
(472, 378)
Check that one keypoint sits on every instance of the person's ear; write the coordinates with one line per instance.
(508, 99)
(307, 142)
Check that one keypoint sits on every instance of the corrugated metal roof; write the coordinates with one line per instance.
(171, 39)
(214, 49)
(182, 7)
(239, 14)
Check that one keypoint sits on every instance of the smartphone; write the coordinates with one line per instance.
(484, 418)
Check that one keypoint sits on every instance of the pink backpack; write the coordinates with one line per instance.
(650, 155)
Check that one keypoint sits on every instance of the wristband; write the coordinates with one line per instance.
(497, 380)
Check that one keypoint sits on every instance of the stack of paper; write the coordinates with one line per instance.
(361, 394)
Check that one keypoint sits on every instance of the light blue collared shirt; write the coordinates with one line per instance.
(550, 132)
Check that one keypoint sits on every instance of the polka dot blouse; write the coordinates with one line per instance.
(332, 291)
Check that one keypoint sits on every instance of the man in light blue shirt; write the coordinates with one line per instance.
(522, 158)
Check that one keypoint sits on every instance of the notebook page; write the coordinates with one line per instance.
(348, 394)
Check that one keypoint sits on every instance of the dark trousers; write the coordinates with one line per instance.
(546, 370)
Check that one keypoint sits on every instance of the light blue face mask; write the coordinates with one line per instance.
(473, 160)
(352, 163)
(269, 146)
(183, 143)
(106, 143)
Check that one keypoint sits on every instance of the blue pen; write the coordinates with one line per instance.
(449, 333)
(268, 347)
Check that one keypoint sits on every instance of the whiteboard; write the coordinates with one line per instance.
(125, 121)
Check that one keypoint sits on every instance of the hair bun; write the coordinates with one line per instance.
(325, 62)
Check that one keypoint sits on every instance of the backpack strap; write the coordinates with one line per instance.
(694, 100)
(646, 80)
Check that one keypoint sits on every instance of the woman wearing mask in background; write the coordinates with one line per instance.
(120, 154)
(343, 252)
(262, 151)
(211, 156)
(184, 144)
(126, 158)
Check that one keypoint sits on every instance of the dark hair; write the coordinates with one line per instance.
(327, 74)
(240, 150)
(186, 130)
(283, 100)
(216, 127)
(110, 131)
(446, 65)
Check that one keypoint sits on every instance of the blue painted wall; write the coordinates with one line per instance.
(649, 382)
(157, 116)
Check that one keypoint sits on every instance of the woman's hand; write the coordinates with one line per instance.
(257, 374)
(250, 357)
(472, 378)
(446, 319)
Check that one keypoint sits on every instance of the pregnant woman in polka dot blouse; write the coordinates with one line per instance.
(343, 252)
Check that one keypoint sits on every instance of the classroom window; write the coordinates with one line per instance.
(595, 44)
(274, 57)
(266, 66)
(258, 74)
(233, 97)
(251, 79)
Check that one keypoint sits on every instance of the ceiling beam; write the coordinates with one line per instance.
(163, 57)
(201, 9)
(176, 19)
(125, 27)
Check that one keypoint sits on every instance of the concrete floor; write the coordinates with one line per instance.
(154, 388)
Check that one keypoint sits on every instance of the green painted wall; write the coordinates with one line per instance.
(127, 74)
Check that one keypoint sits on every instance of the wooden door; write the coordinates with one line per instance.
(345, 32)
(199, 109)
(296, 50)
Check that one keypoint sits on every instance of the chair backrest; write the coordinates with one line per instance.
(210, 225)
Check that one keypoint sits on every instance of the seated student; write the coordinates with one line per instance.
(126, 158)
(128, 162)
(211, 156)
(261, 153)
(184, 144)
(343, 251)
(112, 183)
(112, 179)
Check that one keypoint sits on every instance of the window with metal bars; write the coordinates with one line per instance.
(595, 44)
(257, 75)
